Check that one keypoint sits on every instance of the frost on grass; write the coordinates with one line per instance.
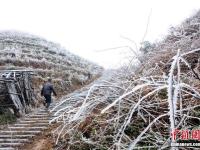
(47, 59)
(137, 106)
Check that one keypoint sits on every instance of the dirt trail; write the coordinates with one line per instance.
(43, 141)
(42, 144)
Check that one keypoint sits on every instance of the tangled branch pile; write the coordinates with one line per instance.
(138, 108)
(16, 92)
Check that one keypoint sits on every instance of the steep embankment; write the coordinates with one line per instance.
(140, 106)
(47, 59)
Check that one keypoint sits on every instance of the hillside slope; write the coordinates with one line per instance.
(22, 51)
(141, 106)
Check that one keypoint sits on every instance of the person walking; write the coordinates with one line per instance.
(47, 91)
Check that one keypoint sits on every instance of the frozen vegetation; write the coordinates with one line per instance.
(139, 106)
(47, 59)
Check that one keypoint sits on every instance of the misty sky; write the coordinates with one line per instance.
(88, 27)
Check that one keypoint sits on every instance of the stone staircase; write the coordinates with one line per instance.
(26, 128)
(32, 124)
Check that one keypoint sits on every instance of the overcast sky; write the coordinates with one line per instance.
(87, 27)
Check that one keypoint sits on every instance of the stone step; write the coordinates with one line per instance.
(42, 113)
(17, 136)
(9, 144)
(7, 148)
(22, 127)
(30, 125)
(19, 132)
(21, 124)
(34, 121)
(13, 140)
(38, 116)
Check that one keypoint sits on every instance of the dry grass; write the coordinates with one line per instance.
(138, 108)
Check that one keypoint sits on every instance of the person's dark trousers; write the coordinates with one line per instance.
(48, 100)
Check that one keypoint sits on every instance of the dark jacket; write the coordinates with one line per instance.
(48, 89)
